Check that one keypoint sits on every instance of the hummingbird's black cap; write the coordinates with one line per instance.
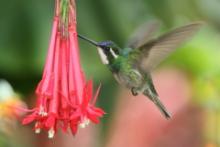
(105, 43)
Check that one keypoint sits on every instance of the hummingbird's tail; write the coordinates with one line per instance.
(155, 99)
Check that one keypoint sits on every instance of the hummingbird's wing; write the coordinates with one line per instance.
(143, 34)
(153, 52)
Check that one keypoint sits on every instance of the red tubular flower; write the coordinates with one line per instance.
(62, 94)
(86, 111)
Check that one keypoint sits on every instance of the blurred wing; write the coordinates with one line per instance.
(157, 50)
(143, 34)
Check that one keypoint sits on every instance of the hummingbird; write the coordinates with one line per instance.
(131, 66)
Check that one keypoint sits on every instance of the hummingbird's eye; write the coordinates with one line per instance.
(106, 48)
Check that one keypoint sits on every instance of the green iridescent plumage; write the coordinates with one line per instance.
(131, 66)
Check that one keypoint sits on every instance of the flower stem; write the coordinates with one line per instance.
(57, 7)
(64, 5)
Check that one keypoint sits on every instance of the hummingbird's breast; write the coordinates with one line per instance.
(131, 79)
(127, 74)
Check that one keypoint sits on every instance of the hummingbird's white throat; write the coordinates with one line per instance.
(113, 53)
(103, 56)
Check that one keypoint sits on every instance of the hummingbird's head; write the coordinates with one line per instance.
(108, 50)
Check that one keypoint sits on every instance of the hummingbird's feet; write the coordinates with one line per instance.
(134, 91)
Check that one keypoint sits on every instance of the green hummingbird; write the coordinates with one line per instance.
(131, 66)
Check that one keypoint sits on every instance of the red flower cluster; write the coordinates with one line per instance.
(64, 98)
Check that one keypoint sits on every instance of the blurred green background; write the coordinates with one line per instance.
(25, 30)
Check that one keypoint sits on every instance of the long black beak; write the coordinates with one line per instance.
(88, 40)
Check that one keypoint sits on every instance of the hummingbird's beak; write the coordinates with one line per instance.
(88, 40)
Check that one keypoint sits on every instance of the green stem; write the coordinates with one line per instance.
(64, 16)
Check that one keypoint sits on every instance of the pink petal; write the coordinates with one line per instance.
(96, 111)
(28, 119)
(93, 118)
(96, 95)
(87, 95)
(75, 116)
(73, 127)
(50, 121)
(50, 56)
(74, 60)
(45, 86)
(89, 89)
(54, 102)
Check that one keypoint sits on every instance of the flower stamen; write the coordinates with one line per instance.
(84, 123)
(51, 133)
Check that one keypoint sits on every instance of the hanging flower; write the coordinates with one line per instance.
(63, 95)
